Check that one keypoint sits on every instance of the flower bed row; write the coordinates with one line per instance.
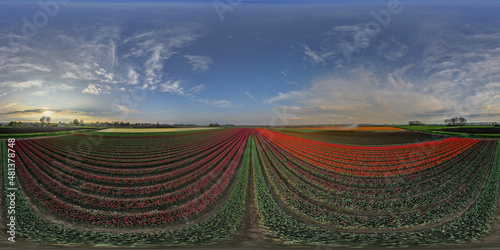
(446, 207)
(76, 213)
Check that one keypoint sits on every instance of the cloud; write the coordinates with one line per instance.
(312, 56)
(9, 105)
(172, 87)
(18, 113)
(199, 63)
(163, 111)
(291, 95)
(126, 110)
(24, 67)
(391, 49)
(250, 95)
(285, 72)
(95, 90)
(97, 58)
(220, 103)
(197, 89)
(361, 96)
(28, 84)
(64, 87)
(133, 76)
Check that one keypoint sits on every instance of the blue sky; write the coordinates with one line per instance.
(273, 63)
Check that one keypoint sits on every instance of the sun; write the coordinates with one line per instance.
(47, 113)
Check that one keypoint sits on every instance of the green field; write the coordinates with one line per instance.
(31, 135)
(436, 129)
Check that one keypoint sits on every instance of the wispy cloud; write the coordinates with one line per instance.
(220, 103)
(197, 89)
(250, 95)
(312, 56)
(126, 110)
(199, 63)
(9, 105)
(172, 87)
(18, 113)
(28, 84)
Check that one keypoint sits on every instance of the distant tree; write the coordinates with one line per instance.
(82, 122)
(75, 122)
(456, 121)
(415, 123)
(48, 119)
(42, 120)
(214, 125)
(462, 121)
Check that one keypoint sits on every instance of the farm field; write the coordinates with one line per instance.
(253, 187)
(458, 131)
(362, 137)
(356, 128)
(27, 130)
(151, 130)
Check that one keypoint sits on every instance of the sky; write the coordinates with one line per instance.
(253, 62)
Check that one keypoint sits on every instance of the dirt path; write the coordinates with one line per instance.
(252, 233)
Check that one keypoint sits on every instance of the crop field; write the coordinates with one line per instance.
(245, 186)
(356, 128)
(365, 138)
(150, 130)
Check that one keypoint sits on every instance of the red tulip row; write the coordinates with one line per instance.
(167, 156)
(186, 210)
(166, 165)
(73, 196)
(441, 149)
(368, 168)
(385, 187)
(335, 176)
(199, 167)
(417, 196)
(165, 186)
(134, 152)
(116, 143)
(384, 153)
(320, 209)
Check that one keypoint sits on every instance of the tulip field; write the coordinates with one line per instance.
(194, 188)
